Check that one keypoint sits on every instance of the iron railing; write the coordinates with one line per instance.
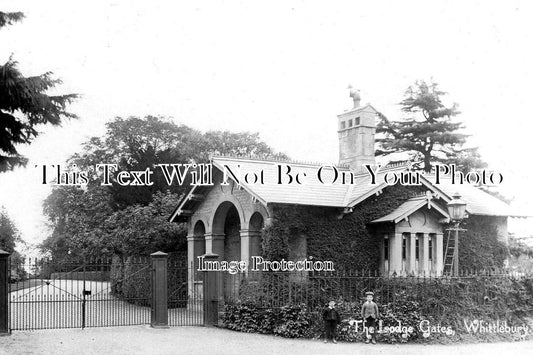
(48, 295)
(482, 288)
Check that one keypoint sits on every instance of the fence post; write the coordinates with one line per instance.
(159, 316)
(4, 293)
(211, 293)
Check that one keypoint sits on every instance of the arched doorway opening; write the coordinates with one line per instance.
(199, 240)
(257, 223)
(227, 231)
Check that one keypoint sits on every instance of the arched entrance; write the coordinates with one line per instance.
(199, 239)
(227, 242)
(226, 232)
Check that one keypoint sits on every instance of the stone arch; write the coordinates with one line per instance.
(196, 248)
(219, 217)
(257, 222)
(199, 229)
(226, 226)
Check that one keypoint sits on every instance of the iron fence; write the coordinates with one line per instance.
(48, 295)
(185, 294)
(435, 295)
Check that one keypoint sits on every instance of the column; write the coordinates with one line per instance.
(424, 253)
(395, 254)
(214, 244)
(245, 248)
(411, 253)
(438, 257)
(250, 246)
(195, 248)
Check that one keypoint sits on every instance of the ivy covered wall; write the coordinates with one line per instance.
(481, 245)
(350, 243)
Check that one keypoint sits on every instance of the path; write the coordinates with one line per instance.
(200, 340)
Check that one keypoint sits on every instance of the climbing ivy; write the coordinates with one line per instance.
(345, 239)
(479, 247)
(348, 239)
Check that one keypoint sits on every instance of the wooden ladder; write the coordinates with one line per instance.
(449, 253)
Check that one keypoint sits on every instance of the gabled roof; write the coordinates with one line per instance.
(477, 201)
(408, 208)
(312, 192)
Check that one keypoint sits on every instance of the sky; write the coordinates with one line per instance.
(280, 68)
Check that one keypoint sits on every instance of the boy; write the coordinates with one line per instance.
(370, 314)
(331, 318)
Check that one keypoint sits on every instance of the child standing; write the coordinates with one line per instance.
(370, 314)
(331, 318)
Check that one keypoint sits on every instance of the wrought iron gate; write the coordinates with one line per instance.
(47, 295)
(185, 297)
(100, 293)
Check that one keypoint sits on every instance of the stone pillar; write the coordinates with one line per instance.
(395, 254)
(212, 292)
(250, 246)
(245, 247)
(424, 253)
(411, 254)
(4, 293)
(159, 290)
(214, 244)
(195, 248)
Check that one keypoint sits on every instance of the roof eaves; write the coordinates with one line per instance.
(183, 201)
(245, 187)
(366, 195)
(410, 211)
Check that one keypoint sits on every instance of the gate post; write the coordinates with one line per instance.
(211, 286)
(4, 293)
(159, 316)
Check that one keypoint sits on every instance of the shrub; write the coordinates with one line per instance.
(291, 321)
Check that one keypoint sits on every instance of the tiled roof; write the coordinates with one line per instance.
(409, 207)
(312, 192)
(477, 201)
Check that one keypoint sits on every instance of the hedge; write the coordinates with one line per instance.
(449, 307)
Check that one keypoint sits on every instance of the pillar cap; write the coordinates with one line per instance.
(3, 252)
(159, 254)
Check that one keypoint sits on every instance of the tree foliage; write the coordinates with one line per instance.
(127, 220)
(138, 143)
(9, 234)
(25, 104)
(85, 225)
(8, 18)
(428, 131)
(9, 238)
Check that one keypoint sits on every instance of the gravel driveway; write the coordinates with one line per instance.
(56, 304)
(200, 340)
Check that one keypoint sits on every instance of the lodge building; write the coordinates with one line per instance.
(228, 219)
